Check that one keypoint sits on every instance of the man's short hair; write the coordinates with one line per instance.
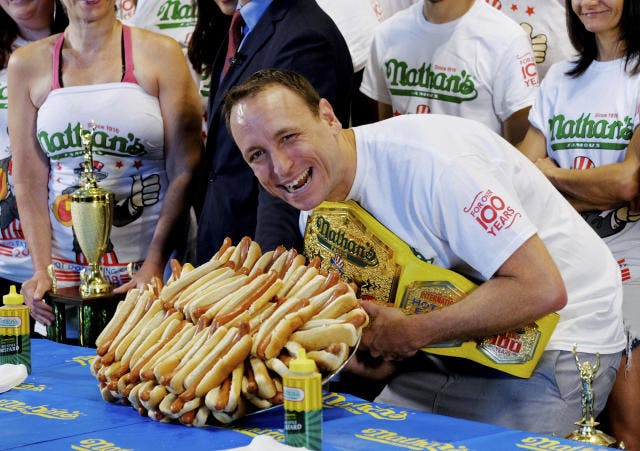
(263, 79)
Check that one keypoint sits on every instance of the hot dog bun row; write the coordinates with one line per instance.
(214, 342)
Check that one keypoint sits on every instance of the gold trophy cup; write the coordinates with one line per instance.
(587, 431)
(92, 216)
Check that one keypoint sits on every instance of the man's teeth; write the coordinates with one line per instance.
(298, 183)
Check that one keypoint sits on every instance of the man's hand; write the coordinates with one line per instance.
(362, 364)
(388, 334)
(33, 291)
(143, 276)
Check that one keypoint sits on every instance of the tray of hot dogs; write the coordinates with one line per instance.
(213, 344)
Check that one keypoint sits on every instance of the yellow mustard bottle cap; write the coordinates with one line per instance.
(13, 297)
(302, 364)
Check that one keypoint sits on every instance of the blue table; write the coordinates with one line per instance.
(59, 407)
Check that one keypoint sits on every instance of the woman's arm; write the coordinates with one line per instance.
(30, 177)
(603, 187)
(181, 114)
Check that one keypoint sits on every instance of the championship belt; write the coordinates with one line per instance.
(349, 240)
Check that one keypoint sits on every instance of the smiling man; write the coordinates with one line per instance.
(435, 181)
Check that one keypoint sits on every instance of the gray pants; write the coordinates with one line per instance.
(546, 403)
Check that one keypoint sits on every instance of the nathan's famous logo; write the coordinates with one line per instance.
(437, 82)
(68, 143)
(12, 405)
(401, 441)
(4, 96)
(83, 360)
(97, 444)
(177, 14)
(336, 400)
(491, 212)
(550, 444)
(337, 241)
(601, 130)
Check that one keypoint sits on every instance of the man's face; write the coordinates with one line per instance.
(227, 6)
(293, 153)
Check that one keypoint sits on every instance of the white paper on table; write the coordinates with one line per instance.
(11, 375)
(266, 443)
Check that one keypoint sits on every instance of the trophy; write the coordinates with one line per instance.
(91, 216)
(587, 431)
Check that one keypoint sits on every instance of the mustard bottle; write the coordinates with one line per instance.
(15, 342)
(303, 404)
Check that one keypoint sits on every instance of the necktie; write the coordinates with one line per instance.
(235, 37)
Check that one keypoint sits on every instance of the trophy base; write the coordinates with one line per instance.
(93, 285)
(93, 315)
(588, 433)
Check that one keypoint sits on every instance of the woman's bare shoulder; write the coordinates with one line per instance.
(34, 56)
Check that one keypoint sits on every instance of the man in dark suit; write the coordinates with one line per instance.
(287, 34)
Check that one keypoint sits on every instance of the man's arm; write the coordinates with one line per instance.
(515, 127)
(526, 287)
(385, 111)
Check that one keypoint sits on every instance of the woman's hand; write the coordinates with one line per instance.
(33, 291)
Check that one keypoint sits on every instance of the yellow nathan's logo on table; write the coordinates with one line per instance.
(44, 411)
(400, 441)
(379, 412)
(83, 360)
(549, 444)
(97, 444)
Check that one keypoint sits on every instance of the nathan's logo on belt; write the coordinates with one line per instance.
(338, 241)
(491, 212)
(437, 82)
(176, 14)
(68, 143)
(603, 131)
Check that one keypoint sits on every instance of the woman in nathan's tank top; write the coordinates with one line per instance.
(135, 86)
(20, 23)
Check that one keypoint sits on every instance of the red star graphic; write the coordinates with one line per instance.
(137, 164)
(59, 180)
(530, 10)
(59, 167)
(119, 164)
(514, 7)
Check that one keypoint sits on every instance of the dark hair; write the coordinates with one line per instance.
(211, 28)
(9, 30)
(265, 78)
(584, 41)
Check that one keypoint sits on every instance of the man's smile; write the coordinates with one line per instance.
(300, 182)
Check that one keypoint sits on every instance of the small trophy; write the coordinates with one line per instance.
(91, 216)
(587, 431)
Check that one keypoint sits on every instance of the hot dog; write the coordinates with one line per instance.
(321, 337)
(226, 397)
(331, 358)
(122, 312)
(170, 291)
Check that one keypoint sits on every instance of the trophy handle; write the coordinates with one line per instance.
(52, 274)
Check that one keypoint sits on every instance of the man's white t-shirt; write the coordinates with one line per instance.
(479, 66)
(466, 200)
